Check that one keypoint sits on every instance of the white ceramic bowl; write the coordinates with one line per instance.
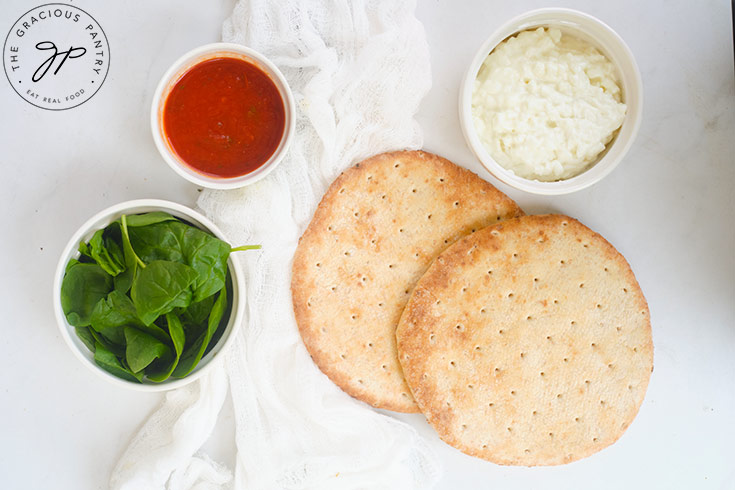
(611, 45)
(177, 70)
(102, 219)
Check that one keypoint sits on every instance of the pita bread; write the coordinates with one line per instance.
(375, 232)
(528, 343)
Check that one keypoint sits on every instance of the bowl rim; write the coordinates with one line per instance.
(588, 177)
(181, 66)
(106, 216)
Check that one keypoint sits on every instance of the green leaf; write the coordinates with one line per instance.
(138, 376)
(196, 314)
(160, 371)
(84, 249)
(178, 242)
(112, 313)
(106, 252)
(193, 354)
(86, 337)
(116, 348)
(124, 281)
(208, 256)
(104, 248)
(70, 264)
(145, 219)
(161, 287)
(155, 331)
(83, 286)
(130, 255)
(110, 363)
(142, 349)
(159, 241)
(113, 245)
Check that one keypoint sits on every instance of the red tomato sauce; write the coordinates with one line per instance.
(224, 117)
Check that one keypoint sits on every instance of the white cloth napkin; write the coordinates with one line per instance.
(358, 70)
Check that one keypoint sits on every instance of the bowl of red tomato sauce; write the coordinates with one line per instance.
(223, 116)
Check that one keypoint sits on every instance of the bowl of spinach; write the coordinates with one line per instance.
(148, 293)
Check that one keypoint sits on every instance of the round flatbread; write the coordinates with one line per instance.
(528, 343)
(375, 232)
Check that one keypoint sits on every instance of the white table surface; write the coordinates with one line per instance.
(669, 208)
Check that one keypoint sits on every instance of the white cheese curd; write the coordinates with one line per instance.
(545, 104)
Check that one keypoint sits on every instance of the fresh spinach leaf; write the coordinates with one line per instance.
(194, 318)
(159, 241)
(114, 338)
(208, 256)
(105, 251)
(83, 286)
(160, 371)
(196, 314)
(85, 249)
(112, 313)
(155, 331)
(193, 354)
(116, 348)
(110, 363)
(145, 219)
(124, 281)
(161, 287)
(113, 244)
(141, 349)
(86, 337)
(117, 311)
(70, 264)
(179, 242)
(225, 317)
(138, 376)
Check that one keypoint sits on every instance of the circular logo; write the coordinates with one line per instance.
(56, 56)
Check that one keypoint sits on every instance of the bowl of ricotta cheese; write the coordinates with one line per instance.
(551, 102)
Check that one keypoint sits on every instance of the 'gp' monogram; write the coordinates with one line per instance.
(71, 53)
(56, 56)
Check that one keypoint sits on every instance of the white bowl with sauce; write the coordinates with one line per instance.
(222, 134)
(100, 220)
(609, 44)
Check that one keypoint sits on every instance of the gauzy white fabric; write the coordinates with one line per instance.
(358, 71)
